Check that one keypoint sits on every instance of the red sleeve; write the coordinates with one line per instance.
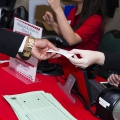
(89, 28)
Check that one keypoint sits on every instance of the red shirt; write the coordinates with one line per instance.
(90, 31)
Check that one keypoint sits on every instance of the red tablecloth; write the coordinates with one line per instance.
(4, 57)
(11, 85)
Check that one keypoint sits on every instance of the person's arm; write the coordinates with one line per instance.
(40, 47)
(10, 42)
(83, 34)
(48, 17)
(112, 63)
(65, 29)
(56, 28)
(109, 61)
(114, 79)
(87, 58)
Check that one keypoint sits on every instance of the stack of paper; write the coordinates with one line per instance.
(37, 105)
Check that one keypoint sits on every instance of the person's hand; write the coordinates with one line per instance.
(40, 47)
(87, 58)
(48, 17)
(114, 79)
(54, 4)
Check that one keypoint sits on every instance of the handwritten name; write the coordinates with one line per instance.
(27, 29)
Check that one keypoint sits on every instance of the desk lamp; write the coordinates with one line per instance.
(47, 68)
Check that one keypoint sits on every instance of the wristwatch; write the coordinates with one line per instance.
(26, 54)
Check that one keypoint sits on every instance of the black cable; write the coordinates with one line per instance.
(87, 107)
(82, 99)
(78, 95)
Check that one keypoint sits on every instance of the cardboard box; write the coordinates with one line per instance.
(68, 2)
(39, 13)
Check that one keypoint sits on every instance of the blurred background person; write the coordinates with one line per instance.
(111, 6)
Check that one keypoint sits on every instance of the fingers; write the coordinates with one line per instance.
(46, 56)
(46, 16)
(49, 1)
(76, 60)
(79, 62)
(56, 56)
(51, 46)
(73, 59)
(40, 47)
(54, 4)
(44, 44)
(48, 13)
(114, 80)
(75, 51)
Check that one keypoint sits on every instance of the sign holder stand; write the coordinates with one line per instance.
(19, 76)
(68, 87)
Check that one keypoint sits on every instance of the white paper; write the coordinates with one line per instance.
(27, 28)
(37, 105)
(62, 52)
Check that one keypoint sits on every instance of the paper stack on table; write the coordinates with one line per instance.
(37, 105)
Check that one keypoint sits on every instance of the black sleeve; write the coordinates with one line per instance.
(112, 63)
(10, 42)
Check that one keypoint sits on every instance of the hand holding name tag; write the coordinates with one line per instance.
(37, 49)
(40, 47)
(62, 52)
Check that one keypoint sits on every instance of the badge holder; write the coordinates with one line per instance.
(68, 87)
(20, 76)
(25, 71)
